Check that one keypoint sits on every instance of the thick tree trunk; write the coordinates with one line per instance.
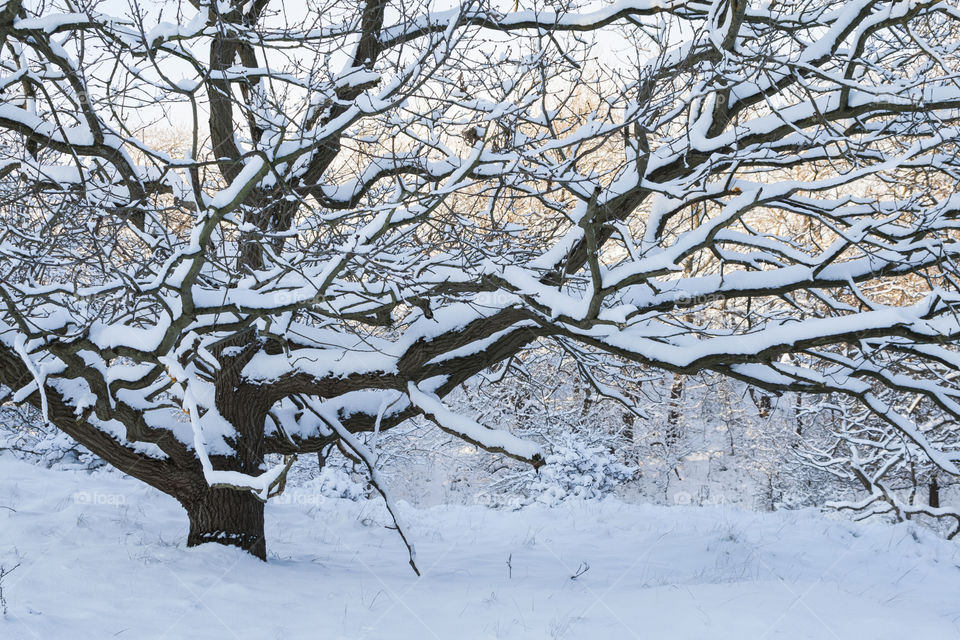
(228, 516)
(233, 516)
(674, 428)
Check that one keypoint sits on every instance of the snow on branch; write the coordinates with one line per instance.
(262, 485)
(490, 439)
(39, 377)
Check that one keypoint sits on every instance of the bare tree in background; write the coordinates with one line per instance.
(892, 475)
(337, 247)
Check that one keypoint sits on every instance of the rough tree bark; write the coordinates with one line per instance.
(229, 517)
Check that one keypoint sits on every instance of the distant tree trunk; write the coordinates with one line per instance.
(228, 516)
(674, 429)
(797, 413)
(934, 500)
(761, 401)
(628, 421)
(587, 401)
(768, 497)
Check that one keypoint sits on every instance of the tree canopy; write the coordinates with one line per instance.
(233, 229)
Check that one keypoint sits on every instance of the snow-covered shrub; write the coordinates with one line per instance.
(573, 470)
(339, 483)
(338, 478)
(579, 471)
(24, 434)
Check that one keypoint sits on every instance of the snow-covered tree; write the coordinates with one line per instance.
(376, 201)
(890, 474)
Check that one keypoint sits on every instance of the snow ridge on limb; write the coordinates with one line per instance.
(468, 14)
(262, 485)
(490, 439)
(39, 379)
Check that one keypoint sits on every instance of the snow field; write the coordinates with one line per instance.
(103, 556)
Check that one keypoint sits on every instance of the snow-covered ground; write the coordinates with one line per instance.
(103, 556)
